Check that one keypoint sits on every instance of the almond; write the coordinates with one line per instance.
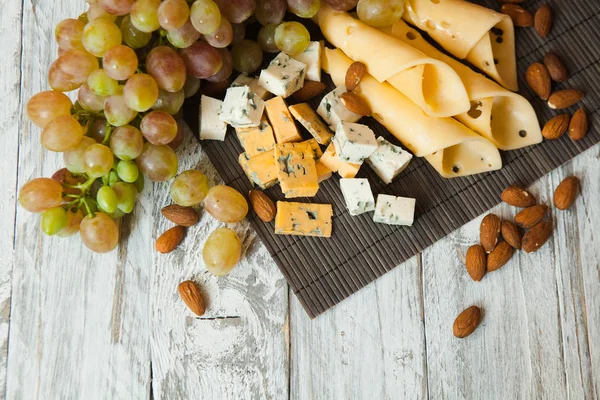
(191, 296)
(556, 127)
(537, 236)
(556, 68)
(466, 322)
(168, 241)
(489, 230)
(564, 98)
(517, 197)
(263, 206)
(355, 103)
(566, 193)
(542, 20)
(499, 256)
(180, 215)
(538, 79)
(511, 234)
(311, 89)
(475, 261)
(355, 73)
(531, 216)
(519, 15)
(579, 125)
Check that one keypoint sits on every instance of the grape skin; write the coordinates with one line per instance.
(226, 69)
(126, 142)
(222, 251)
(158, 127)
(380, 13)
(102, 84)
(183, 37)
(132, 36)
(100, 35)
(205, 16)
(169, 102)
(144, 15)
(172, 14)
(62, 134)
(107, 199)
(167, 68)
(99, 233)
(45, 107)
(120, 62)
(54, 220)
(202, 60)
(68, 34)
(73, 158)
(304, 8)
(140, 92)
(157, 162)
(117, 7)
(117, 112)
(226, 204)
(247, 56)
(266, 38)
(71, 227)
(341, 5)
(98, 160)
(88, 100)
(40, 194)
(236, 11)
(222, 37)
(270, 11)
(292, 38)
(126, 194)
(189, 188)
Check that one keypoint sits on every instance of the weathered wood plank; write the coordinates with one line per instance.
(239, 348)
(370, 346)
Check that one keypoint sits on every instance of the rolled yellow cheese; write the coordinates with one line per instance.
(483, 37)
(505, 118)
(449, 146)
(429, 83)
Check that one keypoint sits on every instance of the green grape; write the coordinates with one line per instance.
(45, 107)
(140, 92)
(172, 14)
(88, 100)
(292, 38)
(126, 142)
(380, 13)
(110, 178)
(222, 251)
(117, 112)
(107, 199)
(117, 7)
(189, 188)
(157, 162)
(40, 194)
(74, 218)
(99, 233)
(191, 86)
(139, 183)
(158, 127)
(226, 204)
(100, 35)
(144, 15)
(167, 68)
(98, 160)
(73, 158)
(102, 84)
(126, 194)
(68, 34)
(266, 38)
(247, 56)
(120, 62)
(128, 171)
(304, 8)
(205, 16)
(54, 220)
(183, 37)
(95, 11)
(62, 134)
(132, 36)
(170, 102)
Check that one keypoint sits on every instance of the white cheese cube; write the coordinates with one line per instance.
(388, 160)
(283, 76)
(312, 58)
(357, 194)
(333, 111)
(242, 107)
(354, 143)
(394, 210)
(252, 83)
(211, 127)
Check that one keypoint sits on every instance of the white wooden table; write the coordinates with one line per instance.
(77, 325)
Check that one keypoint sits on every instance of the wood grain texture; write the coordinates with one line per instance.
(239, 348)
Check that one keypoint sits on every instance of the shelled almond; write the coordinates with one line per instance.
(489, 231)
(466, 322)
(566, 193)
(354, 75)
(520, 16)
(556, 68)
(355, 103)
(475, 261)
(538, 79)
(542, 20)
(511, 234)
(531, 215)
(517, 197)
(578, 126)
(310, 90)
(564, 98)
(263, 206)
(537, 236)
(170, 239)
(191, 296)
(501, 254)
(184, 216)
(556, 127)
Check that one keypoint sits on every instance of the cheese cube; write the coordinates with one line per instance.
(357, 194)
(256, 139)
(312, 58)
(312, 123)
(333, 162)
(211, 127)
(283, 76)
(310, 148)
(261, 169)
(333, 111)
(388, 160)
(303, 219)
(354, 142)
(297, 172)
(323, 173)
(242, 107)
(281, 119)
(394, 210)
(252, 83)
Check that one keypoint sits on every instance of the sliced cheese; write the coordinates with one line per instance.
(256, 139)
(281, 120)
(303, 219)
(296, 171)
(309, 119)
(261, 169)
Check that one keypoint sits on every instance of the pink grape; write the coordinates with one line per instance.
(202, 60)
(89, 100)
(117, 7)
(169, 102)
(102, 84)
(158, 127)
(144, 15)
(126, 142)
(226, 69)
(62, 134)
(205, 16)
(97, 130)
(157, 162)
(140, 92)
(73, 158)
(132, 36)
(99, 232)
(226, 204)
(66, 177)
(270, 11)
(101, 35)
(117, 112)
(167, 68)
(183, 37)
(98, 160)
(120, 62)
(71, 69)
(179, 138)
(74, 218)
(44, 107)
(236, 11)
(40, 194)
(172, 14)
(95, 11)
(342, 5)
(68, 34)
(222, 37)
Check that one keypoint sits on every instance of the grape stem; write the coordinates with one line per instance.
(87, 207)
(107, 135)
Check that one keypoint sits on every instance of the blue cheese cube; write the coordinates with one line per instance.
(333, 111)
(211, 127)
(283, 76)
(388, 160)
(252, 83)
(241, 107)
(354, 143)
(312, 58)
(394, 210)
(357, 194)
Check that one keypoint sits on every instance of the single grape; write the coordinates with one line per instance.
(107, 199)
(236, 11)
(222, 37)
(341, 5)
(99, 233)
(226, 204)
(73, 158)
(222, 251)
(126, 194)
(292, 38)
(98, 160)
(205, 16)
(140, 92)
(202, 60)
(191, 86)
(144, 15)
(183, 37)
(58, 80)
(158, 127)
(172, 14)
(380, 13)
(54, 220)
(100, 35)
(120, 62)
(117, 112)
(167, 68)
(266, 38)
(304, 8)
(132, 36)
(44, 107)
(95, 11)
(40, 194)
(139, 183)
(102, 84)
(239, 32)
(128, 171)
(226, 69)
(247, 56)
(74, 218)
(270, 11)
(62, 134)
(189, 188)
(169, 102)
(88, 100)
(71, 70)
(68, 34)
(97, 130)
(117, 7)
(126, 142)
(157, 162)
